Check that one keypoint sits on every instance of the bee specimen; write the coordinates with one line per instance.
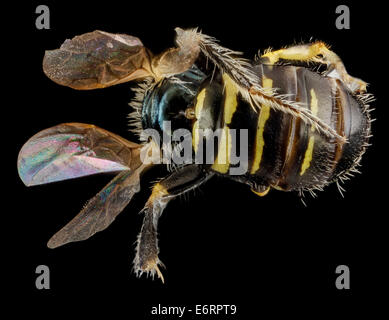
(304, 129)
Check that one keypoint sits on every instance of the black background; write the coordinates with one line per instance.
(221, 244)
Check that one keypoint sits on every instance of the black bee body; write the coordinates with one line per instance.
(284, 153)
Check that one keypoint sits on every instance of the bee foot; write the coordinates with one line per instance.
(149, 267)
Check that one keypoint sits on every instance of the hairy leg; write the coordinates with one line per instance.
(317, 52)
(177, 183)
(191, 43)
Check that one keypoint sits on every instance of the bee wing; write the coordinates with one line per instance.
(101, 210)
(97, 59)
(73, 150)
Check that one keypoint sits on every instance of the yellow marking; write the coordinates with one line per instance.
(308, 156)
(198, 108)
(263, 116)
(158, 192)
(231, 101)
(314, 104)
(279, 188)
(261, 194)
(299, 52)
(190, 113)
(196, 136)
(222, 161)
(200, 102)
(272, 56)
(309, 152)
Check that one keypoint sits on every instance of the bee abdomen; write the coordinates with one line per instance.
(287, 154)
(306, 159)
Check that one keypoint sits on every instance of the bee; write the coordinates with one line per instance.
(303, 128)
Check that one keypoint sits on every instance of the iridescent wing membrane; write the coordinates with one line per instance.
(74, 150)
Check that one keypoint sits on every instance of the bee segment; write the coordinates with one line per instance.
(264, 115)
(309, 151)
(229, 105)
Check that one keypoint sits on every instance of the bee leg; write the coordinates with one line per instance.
(247, 82)
(317, 52)
(177, 183)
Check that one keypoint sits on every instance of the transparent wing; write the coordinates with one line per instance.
(97, 59)
(72, 150)
(101, 210)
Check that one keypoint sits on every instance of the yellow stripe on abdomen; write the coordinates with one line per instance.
(309, 152)
(259, 140)
(222, 161)
(231, 98)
